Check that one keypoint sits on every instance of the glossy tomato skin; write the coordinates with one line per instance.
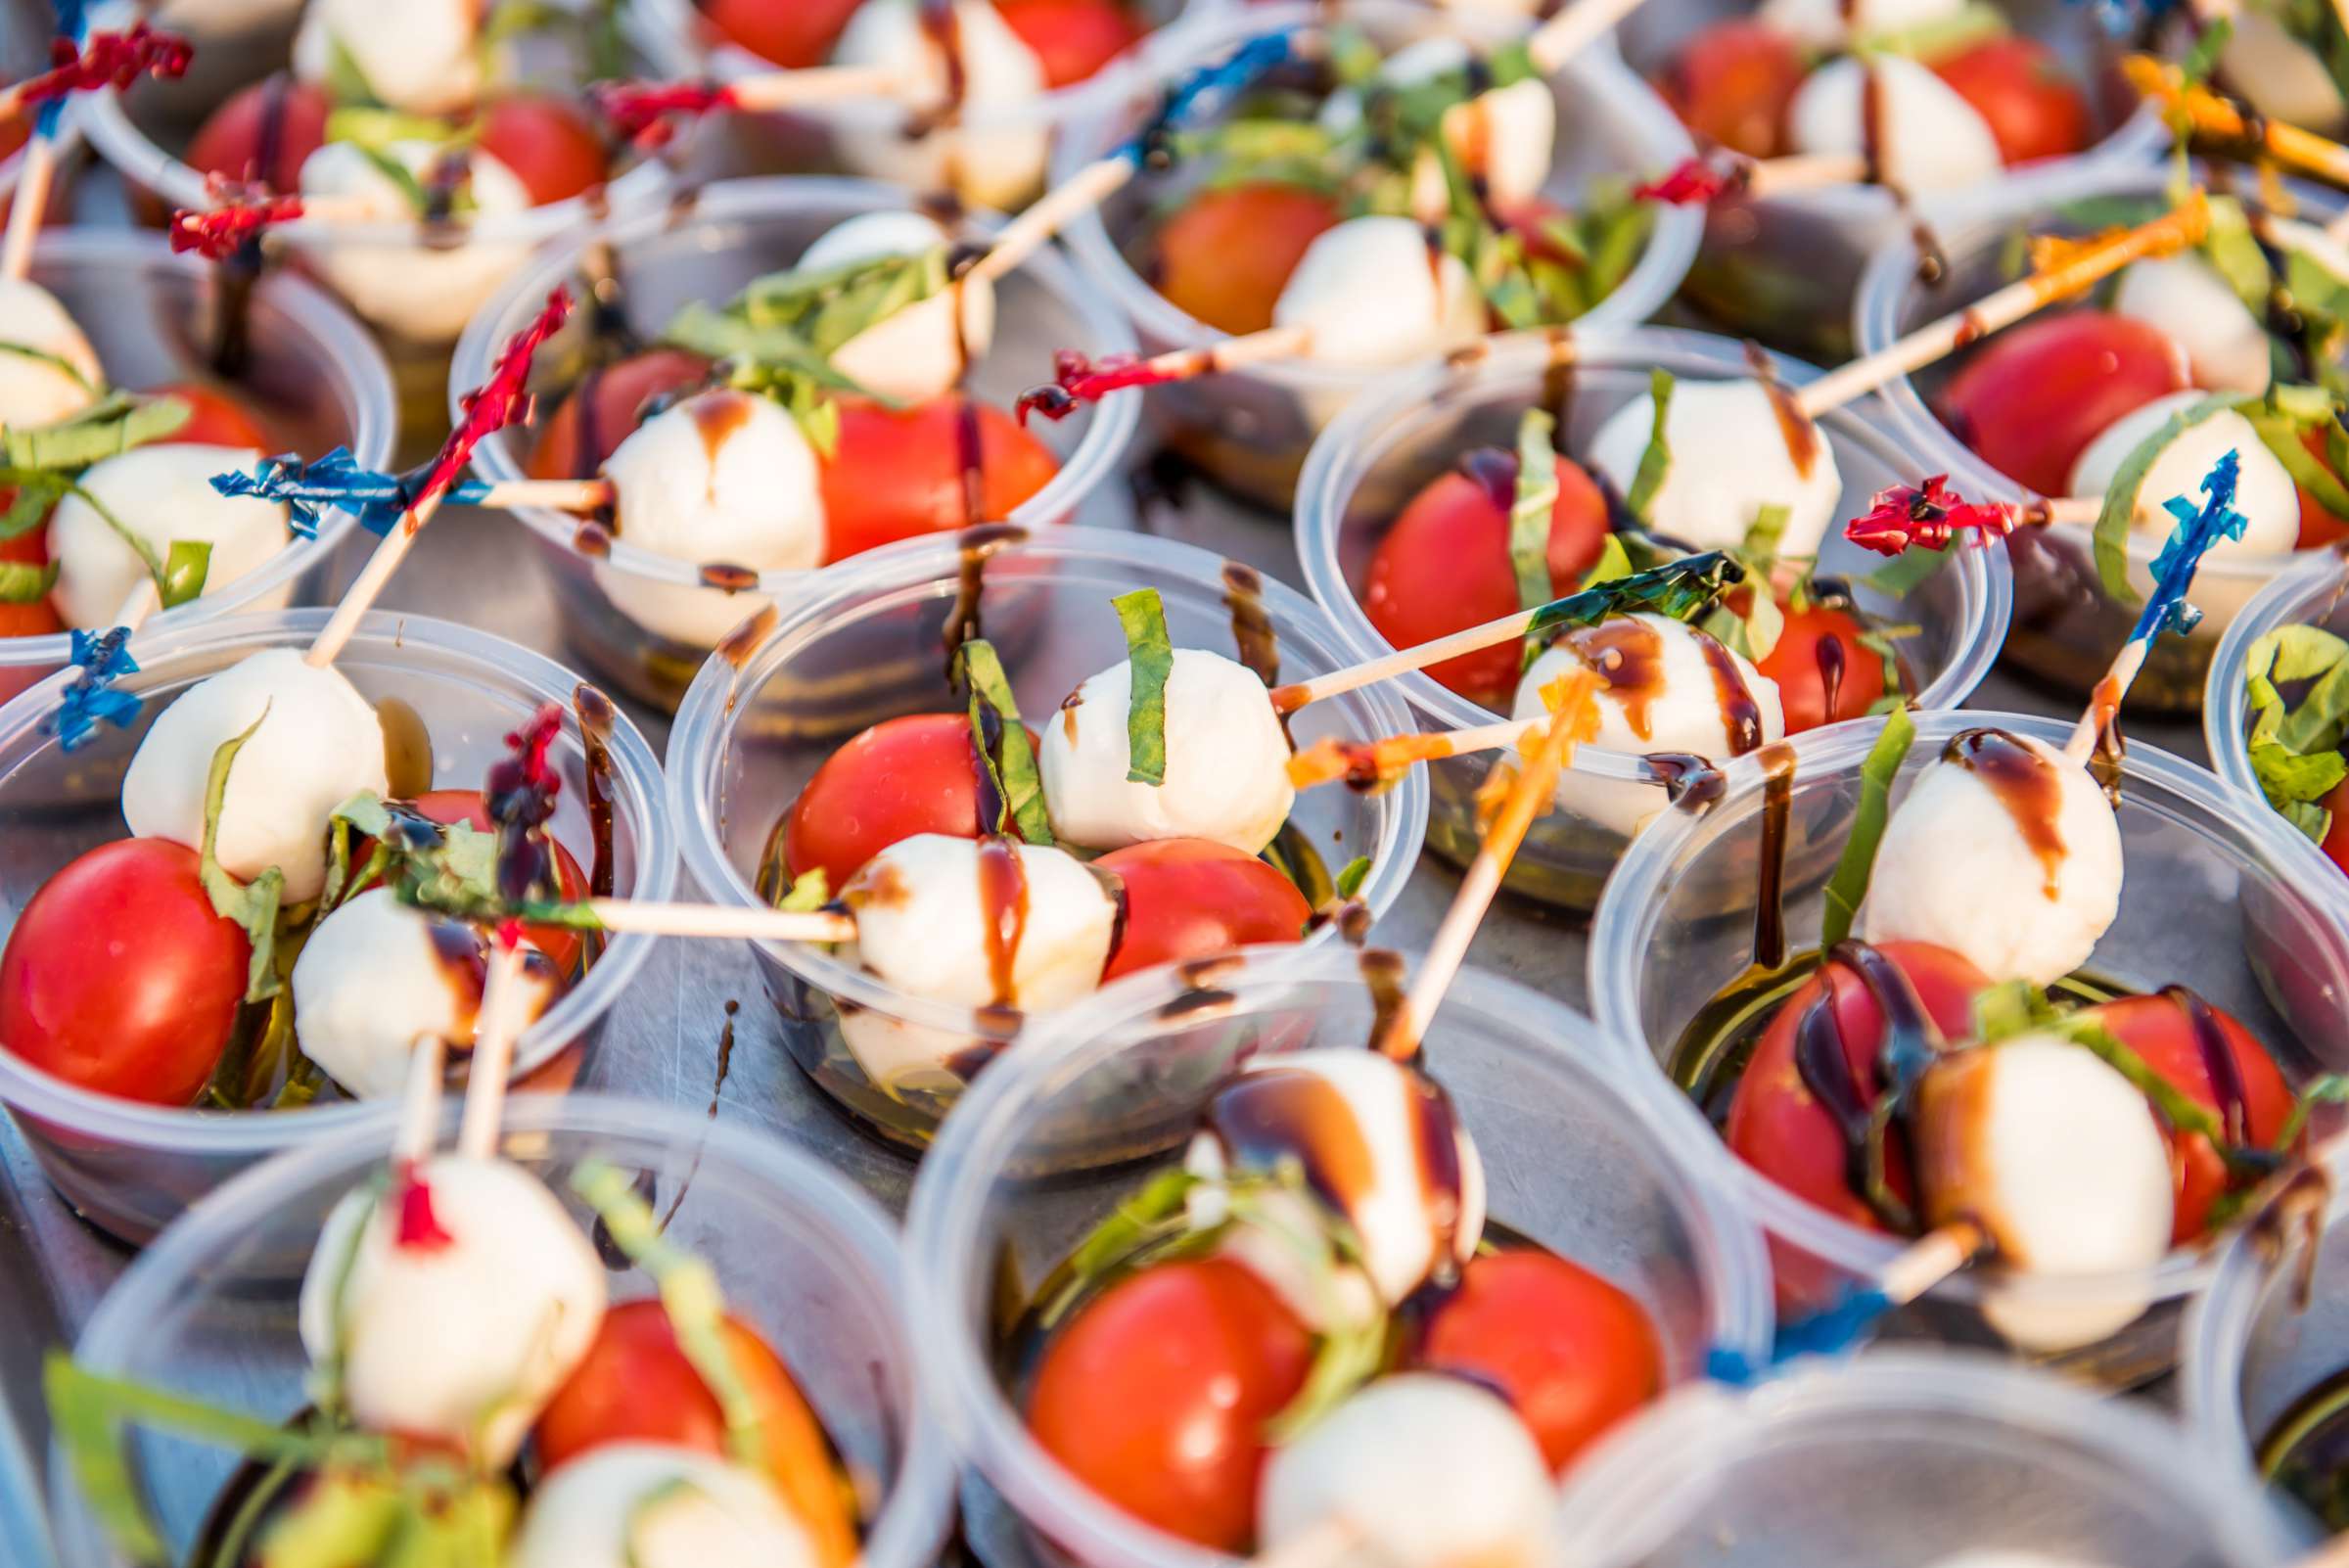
(1188, 897)
(2318, 526)
(1732, 82)
(561, 945)
(1226, 255)
(2032, 398)
(635, 1385)
(2337, 836)
(215, 418)
(1073, 39)
(792, 34)
(1157, 1394)
(549, 143)
(37, 619)
(898, 471)
(618, 394)
(1445, 566)
(904, 776)
(118, 977)
(2021, 90)
(279, 121)
(1855, 670)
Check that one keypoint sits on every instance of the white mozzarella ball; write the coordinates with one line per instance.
(422, 293)
(1373, 293)
(999, 166)
(1731, 457)
(163, 493)
(655, 1506)
(1429, 1471)
(2280, 76)
(34, 389)
(1929, 138)
(2057, 1157)
(2183, 297)
(377, 975)
(319, 744)
(1831, 24)
(464, 1339)
(2003, 851)
(923, 350)
(423, 57)
(2263, 491)
(724, 477)
(925, 915)
(1227, 761)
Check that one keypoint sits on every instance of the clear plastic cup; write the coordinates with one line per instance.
(2309, 592)
(27, 29)
(131, 1167)
(1586, 1153)
(1906, 1458)
(2065, 626)
(708, 250)
(309, 375)
(1392, 443)
(867, 644)
(2219, 897)
(802, 1255)
(1251, 428)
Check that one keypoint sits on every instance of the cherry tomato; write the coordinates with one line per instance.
(119, 978)
(1071, 38)
(2021, 89)
(1157, 1394)
(792, 33)
(635, 1385)
(617, 394)
(549, 144)
(2337, 836)
(1573, 1353)
(1732, 82)
(1225, 257)
(904, 776)
(1445, 566)
(2318, 526)
(38, 618)
(1804, 675)
(1188, 897)
(215, 418)
(264, 132)
(560, 943)
(898, 471)
(2032, 398)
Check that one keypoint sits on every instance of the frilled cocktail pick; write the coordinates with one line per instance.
(1698, 182)
(2198, 111)
(106, 60)
(239, 215)
(91, 698)
(1927, 516)
(379, 499)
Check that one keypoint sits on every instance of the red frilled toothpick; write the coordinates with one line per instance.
(646, 112)
(1928, 514)
(236, 219)
(1691, 182)
(107, 60)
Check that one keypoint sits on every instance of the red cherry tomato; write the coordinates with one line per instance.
(2318, 526)
(1071, 38)
(1732, 82)
(2337, 836)
(1188, 897)
(617, 394)
(264, 132)
(2032, 398)
(549, 144)
(792, 33)
(560, 943)
(38, 618)
(1573, 1353)
(1445, 566)
(898, 473)
(1226, 255)
(635, 1385)
(1819, 648)
(1156, 1396)
(119, 978)
(904, 776)
(2021, 89)
(215, 418)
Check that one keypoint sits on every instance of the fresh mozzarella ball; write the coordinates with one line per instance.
(162, 493)
(2263, 491)
(2185, 296)
(1362, 1119)
(422, 293)
(1507, 134)
(2280, 76)
(1430, 1471)
(32, 390)
(1831, 24)
(654, 1505)
(999, 167)
(375, 976)
(2004, 852)
(421, 56)
(1373, 293)
(1227, 761)
(2057, 1157)
(1928, 138)
(462, 1340)
(1731, 457)
(923, 350)
(317, 744)
(723, 477)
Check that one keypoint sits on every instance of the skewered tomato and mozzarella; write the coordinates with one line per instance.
(1071, 39)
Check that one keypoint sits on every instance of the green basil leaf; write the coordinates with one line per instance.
(374, 128)
(1530, 508)
(2118, 518)
(106, 428)
(809, 890)
(1655, 462)
(1961, 29)
(2233, 252)
(23, 582)
(1150, 655)
(1012, 764)
(402, 177)
(2281, 435)
(1614, 561)
(251, 905)
(37, 495)
(186, 565)
(1847, 889)
(1910, 569)
(1353, 875)
(1763, 623)
(1763, 535)
(2288, 778)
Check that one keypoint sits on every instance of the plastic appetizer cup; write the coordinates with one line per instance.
(868, 644)
(1251, 428)
(2065, 626)
(295, 360)
(801, 1254)
(2310, 592)
(132, 1168)
(2223, 900)
(1585, 1154)
(27, 29)
(709, 249)
(1904, 1459)
(1383, 450)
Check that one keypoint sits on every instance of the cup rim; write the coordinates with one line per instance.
(2289, 598)
(948, 1190)
(636, 774)
(705, 726)
(1672, 241)
(1111, 425)
(1335, 466)
(1632, 902)
(908, 1530)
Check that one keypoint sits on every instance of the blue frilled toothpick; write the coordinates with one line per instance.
(337, 482)
(91, 697)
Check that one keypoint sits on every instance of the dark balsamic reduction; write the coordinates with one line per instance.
(596, 715)
(737, 646)
(1558, 381)
(1741, 715)
(1769, 914)
(1003, 900)
(1381, 970)
(1822, 1059)
(2219, 1066)
(589, 454)
(1830, 655)
(939, 20)
(1795, 427)
(1688, 779)
(970, 454)
(2025, 783)
(1628, 654)
(976, 543)
(1494, 473)
(464, 969)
